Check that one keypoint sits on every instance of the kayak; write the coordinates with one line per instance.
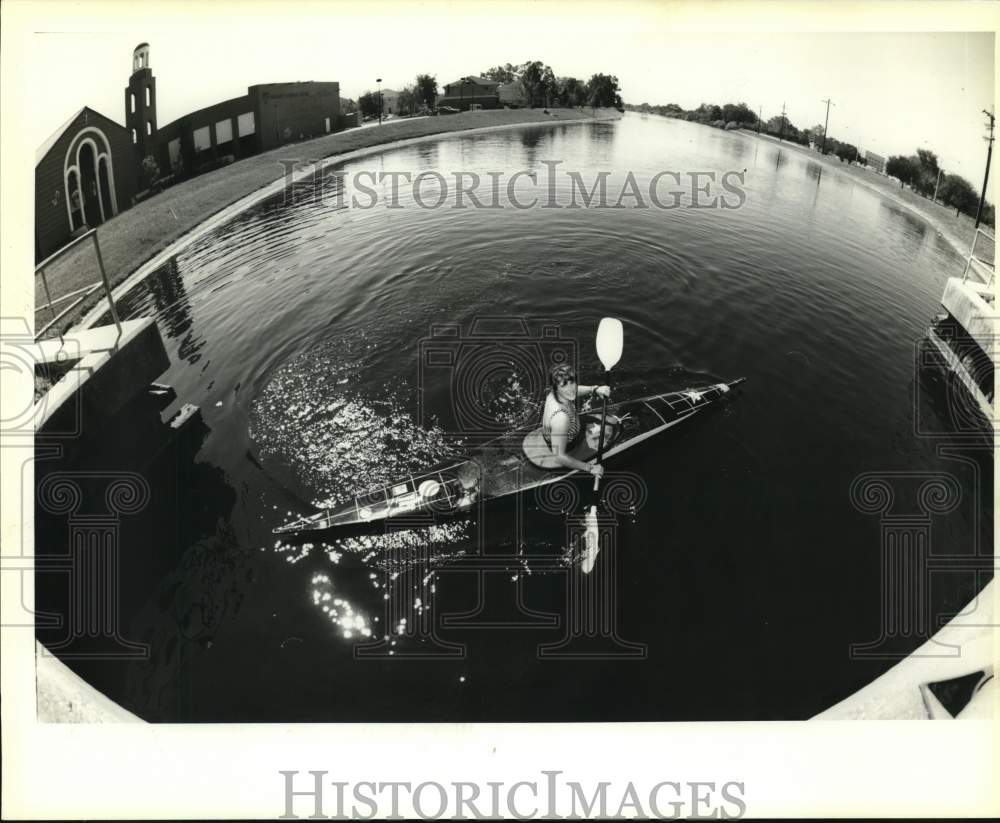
(515, 462)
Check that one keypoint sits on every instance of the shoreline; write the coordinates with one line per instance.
(154, 230)
(882, 186)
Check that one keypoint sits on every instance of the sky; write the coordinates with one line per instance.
(892, 92)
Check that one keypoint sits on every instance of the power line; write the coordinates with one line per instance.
(827, 124)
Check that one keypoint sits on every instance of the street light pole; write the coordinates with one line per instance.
(989, 155)
(379, 81)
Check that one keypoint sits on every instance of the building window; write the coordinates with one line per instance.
(149, 127)
(135, 138)
(131, 103)
(174, 152)
(223, 132)
(149, 96)
(202, 139)
(245, 124)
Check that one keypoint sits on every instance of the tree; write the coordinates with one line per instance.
(369, 104)
(816, 135)
(775, 124)
(150, 171)
(548, 86)
(958, 193)
(602, 91)
(738, 112)
(901, 168)
(573, 92)
(846, 152)
(925, 165)
(539, 81)
(502, 74)
(707, 113)
(427, 89)
(927, 160)
(531, 78)
(408, 101)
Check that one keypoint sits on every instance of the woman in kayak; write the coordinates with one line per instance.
(560, 422)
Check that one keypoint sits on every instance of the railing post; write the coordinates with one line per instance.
(107, 286)
(48, 296)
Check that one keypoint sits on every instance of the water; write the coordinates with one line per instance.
(302, 331)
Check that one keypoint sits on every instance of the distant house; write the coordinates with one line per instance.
(85, 173)
(875, 162)
(512, 94)
(462, 93)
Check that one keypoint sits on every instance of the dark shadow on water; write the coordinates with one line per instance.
(177, 556)
(914, 226)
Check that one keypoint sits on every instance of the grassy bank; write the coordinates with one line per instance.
(958, 230)
(138, 234)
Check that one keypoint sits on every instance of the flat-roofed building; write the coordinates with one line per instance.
(267, 116)
(876, 162)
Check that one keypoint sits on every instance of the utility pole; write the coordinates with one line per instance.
(989, 155)
(827, 124)
(938, 183)
(781, 136)
(760, 114)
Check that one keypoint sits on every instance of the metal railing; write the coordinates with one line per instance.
(984, 269)
(84, 292)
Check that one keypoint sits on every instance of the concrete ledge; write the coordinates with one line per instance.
(109, 371)
(965, 302)
(63, 697)
(964, 645)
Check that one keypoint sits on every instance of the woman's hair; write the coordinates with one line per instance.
(561, 374)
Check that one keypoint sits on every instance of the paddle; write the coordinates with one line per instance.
(610, 339)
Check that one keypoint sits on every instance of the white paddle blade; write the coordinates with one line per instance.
(610, 339)
(592, 541)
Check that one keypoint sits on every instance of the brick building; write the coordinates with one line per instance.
(462, 93)
(91, 167)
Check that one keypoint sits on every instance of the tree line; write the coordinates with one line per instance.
(417, 97)
(741, 116)
(541, 87)
(922, 173)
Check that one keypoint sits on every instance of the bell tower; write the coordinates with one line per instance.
(140, 103)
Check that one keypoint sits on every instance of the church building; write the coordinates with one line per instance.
(91, 168)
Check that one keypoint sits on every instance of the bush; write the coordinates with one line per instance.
(149, 172)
